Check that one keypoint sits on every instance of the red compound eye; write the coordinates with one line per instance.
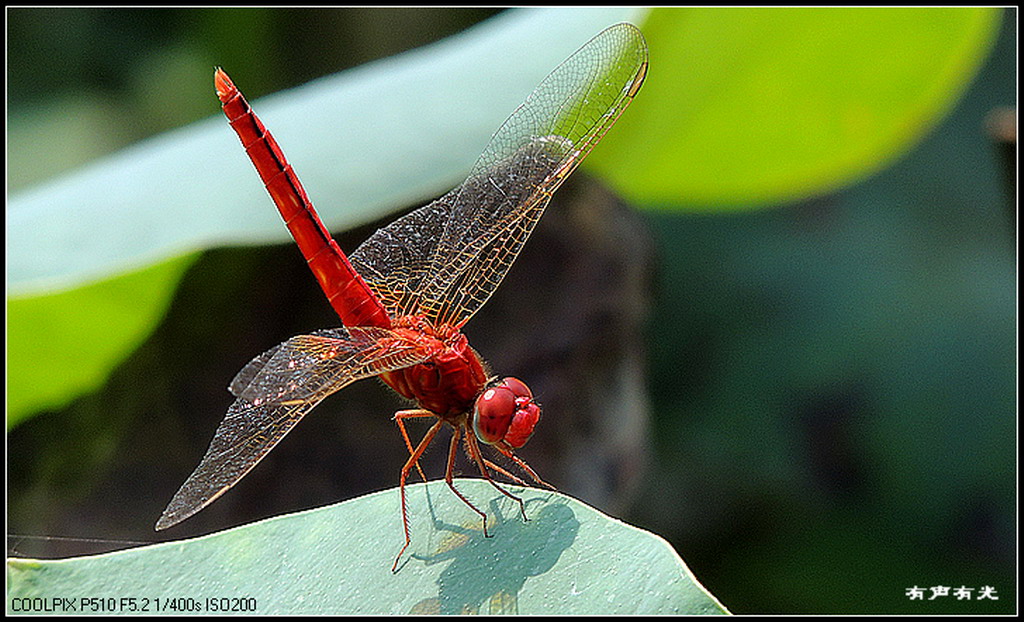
(493, 414)
(506, 412)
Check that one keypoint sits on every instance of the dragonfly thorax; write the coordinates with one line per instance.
(449, 381)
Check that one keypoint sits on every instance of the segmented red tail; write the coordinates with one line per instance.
(347, 292)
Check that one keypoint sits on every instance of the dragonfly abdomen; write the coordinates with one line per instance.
(347, 292)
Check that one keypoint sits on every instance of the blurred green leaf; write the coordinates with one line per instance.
(66, 344)
(745, 107)
(568, 558)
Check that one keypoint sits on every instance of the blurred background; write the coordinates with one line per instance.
(806, 384)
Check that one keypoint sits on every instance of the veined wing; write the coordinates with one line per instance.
(274, 391)
(445, 259)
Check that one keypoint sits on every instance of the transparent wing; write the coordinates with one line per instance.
(445, 259)
(274, 391)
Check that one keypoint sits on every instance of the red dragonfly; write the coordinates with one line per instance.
(406, 292)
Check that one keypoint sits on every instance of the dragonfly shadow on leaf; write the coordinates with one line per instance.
(486, 574)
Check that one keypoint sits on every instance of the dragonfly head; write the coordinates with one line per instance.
(505, 412)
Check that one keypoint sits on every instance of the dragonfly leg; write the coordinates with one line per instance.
(507, 452)
(498, 469)
(453, 450)
(474, 453)
(413, 460)
(411, 414)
